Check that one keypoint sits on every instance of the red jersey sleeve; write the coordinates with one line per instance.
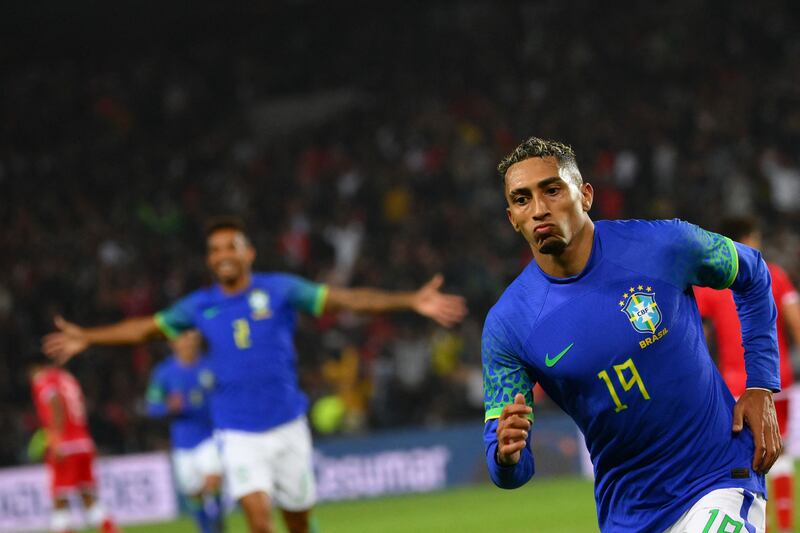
(783, 291)
(54, 382)
(705, 302)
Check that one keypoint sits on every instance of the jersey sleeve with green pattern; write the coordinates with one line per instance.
(156, 395)
(304, 295)
(504, 374)
(708, 259)
(178, 318)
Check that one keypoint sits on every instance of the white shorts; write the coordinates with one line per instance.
(723, 510)
(277, 461)
(192, 466)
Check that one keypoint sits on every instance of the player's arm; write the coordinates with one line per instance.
(71, 339)
(720, 263)
(790, 311)
(788, 302)
(428, 301)
(58, 415)
(155, 397)
(507, 399)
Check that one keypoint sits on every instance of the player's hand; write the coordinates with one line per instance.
(175, 403)
(65, 343)
(756, 409)
(512, 430)
(446, 309)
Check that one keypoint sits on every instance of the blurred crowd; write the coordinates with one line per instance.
(361, 147)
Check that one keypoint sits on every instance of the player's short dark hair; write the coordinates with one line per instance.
(738, 227)
(219, 222)
(536, 147)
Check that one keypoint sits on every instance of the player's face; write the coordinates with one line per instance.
(230, 256)
(187, 346)
(547, 210)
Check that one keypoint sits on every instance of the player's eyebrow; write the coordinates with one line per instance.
(548, 181)
(541, 185)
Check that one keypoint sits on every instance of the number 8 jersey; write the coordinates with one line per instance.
(620, 348)
(251, 352)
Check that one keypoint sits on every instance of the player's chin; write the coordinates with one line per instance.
(551, 245)
(226, 275)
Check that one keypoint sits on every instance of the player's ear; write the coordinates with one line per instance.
(511, 220)
(587, 196)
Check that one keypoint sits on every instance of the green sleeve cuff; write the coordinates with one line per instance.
(168, 331)
(491, 414)
(319, 300)
(735, 269)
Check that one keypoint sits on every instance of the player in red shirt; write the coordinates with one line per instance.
(70, 449)
(719, 309)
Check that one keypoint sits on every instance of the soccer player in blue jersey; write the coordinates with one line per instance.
(178, 389)
(604, 319)
(248, 320)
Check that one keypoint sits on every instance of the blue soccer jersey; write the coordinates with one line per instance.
(192, 425)
(251, 352)
(620, 348)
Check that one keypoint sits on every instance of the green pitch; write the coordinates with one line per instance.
(563, 505)
(554, 506)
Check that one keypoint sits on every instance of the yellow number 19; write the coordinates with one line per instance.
(627, 383)
(241, 333)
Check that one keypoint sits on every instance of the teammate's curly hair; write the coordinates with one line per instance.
(536, 147)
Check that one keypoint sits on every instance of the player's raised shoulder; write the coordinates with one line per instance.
(647, 230)
(518, 307)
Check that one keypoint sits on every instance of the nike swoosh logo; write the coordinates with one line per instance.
(210, 313)
(551, 362)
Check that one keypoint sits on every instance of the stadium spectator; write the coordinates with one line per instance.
(257, 408)
(179, 388)
(719, 309)
(69, 449)
(604, 320)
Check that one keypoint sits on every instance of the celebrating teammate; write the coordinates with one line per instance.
(178, 389)
(70, 449)
(257, 407)
(604, 319)
(719, 309)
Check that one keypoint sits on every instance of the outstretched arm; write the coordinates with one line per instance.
(71, 339)
(428, 301)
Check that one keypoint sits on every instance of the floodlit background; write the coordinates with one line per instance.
(359, 140)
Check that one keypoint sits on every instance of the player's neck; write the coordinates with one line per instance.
(236, 286)
(573, 259)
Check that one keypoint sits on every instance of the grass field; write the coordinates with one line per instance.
(547, 506)
(563, 505)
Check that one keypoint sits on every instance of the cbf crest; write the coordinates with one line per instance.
(639, 304)
(259, 304)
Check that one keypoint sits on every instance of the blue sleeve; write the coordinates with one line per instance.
(507, 477)
(701, 257)
(156, 396)
(711, 260)
(504, 375)
(752, 292)
(176, 319)
(304, 295)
